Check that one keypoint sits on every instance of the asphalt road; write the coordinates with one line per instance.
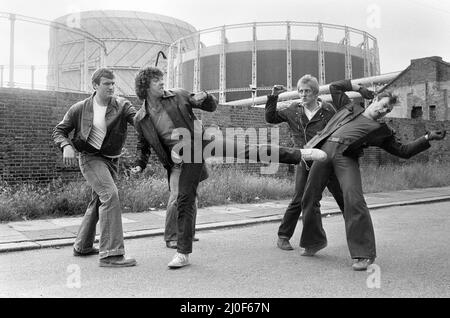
(412, 246)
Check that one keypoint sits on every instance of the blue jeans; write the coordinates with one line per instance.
(170, 232)
(100, 173)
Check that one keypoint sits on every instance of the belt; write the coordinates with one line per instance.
(341, 140)
(98, 154)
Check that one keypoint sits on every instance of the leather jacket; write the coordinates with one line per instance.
(79, 117)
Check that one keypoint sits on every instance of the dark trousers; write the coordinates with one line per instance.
(292, 214)
(171, 228)
(358, 224)
(187, 191)
(190, 178)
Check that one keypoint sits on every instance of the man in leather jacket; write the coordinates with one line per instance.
(166, 113)
(100, 128)
(346, 134)
(305, 118)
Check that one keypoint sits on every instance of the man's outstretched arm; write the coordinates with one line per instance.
(406, 151)
(204, 101)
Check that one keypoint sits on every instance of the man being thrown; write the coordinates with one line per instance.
(346, 134)
(305, 119)
(168, 114)
(100, 125)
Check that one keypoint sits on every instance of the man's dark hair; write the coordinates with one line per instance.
(393, 99)
(102, 72)
(143, 79)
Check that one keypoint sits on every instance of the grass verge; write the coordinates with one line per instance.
(225, 185)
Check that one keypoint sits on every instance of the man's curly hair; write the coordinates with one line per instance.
(143, 79)
(393, 99)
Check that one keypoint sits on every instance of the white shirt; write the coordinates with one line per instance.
(98, 131)
(310, 114)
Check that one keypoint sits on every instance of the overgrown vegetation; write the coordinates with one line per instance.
(225, 185)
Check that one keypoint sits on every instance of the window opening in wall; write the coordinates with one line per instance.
(416, 112)
(432, 112)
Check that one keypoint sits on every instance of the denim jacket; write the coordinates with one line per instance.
(80, 118)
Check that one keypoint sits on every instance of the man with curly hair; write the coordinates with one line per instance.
(164, 114)
(161, 114)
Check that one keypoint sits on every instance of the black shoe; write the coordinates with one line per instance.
(117, 261)
(284, 244)
(195, 239)
(171, 244)
(313, 250)
(93, 251)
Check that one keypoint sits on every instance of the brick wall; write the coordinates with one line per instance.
(27, 119)
(408, 130)
(425, 83)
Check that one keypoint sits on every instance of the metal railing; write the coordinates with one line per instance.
(69, 59)
(178, 54)
(12, 68)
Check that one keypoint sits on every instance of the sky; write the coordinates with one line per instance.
(405, 29)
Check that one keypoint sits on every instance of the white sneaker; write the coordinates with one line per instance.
(313, 154)
(179, 260)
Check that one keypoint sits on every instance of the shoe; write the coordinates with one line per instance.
(284, 244)
(195, 239)
(171, 244)
(179, 260)
(117, 261)
(313, 154)
(361, 264)
(93, 251)
(312, 251)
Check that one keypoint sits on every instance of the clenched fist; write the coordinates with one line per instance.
(278, 89)
(366, 93)
(198, 98)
